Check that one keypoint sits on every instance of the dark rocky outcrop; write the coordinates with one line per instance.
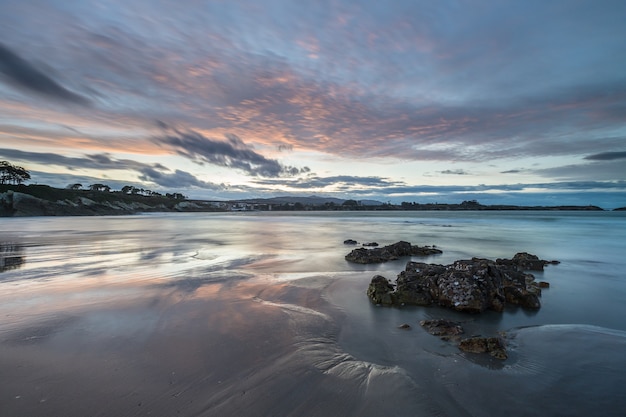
(389, 253)
(350, 242)
(492, 345)
(466, 285)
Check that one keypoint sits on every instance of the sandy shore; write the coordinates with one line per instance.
(241, 349)
(313, 347)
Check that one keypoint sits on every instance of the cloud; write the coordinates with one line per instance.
(102, 161)
(155, 173)
(606, 156)
(338, 182)
(454, 172)
(23, 74)
(604, 170)
(231, 153)
(178, 179)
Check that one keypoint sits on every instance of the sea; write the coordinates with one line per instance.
(566, 359)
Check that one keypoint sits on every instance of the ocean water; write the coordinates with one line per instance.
(565, 359)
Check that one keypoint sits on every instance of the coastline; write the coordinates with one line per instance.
(42, 200)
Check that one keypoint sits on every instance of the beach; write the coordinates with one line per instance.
(242, 315)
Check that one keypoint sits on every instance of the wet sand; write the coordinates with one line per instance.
(240, 349)
(311, 347)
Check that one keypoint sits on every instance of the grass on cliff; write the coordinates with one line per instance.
(45, 192)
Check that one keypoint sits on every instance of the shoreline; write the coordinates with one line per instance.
(302, 347)
(244, 348)
(41, 200)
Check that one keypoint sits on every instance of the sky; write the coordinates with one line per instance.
(500, 101)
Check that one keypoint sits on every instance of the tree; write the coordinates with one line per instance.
(100, 187)
(12, 174)
(74, 186)
(175, 196)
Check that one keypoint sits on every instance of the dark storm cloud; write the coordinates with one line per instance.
(21, 73)
(231, 153)
(606, 156)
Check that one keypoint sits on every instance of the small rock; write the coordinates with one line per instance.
(543, 284)
(494, 346)
(350, 242)
(380, 291)
(371, 244)
(404, 326)
(389, 253)
(442, 327)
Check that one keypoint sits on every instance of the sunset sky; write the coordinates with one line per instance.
(503, 101)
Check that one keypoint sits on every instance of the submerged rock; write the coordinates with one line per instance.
(466, 285)
(442, 328)
(389, 253)
(492, 345)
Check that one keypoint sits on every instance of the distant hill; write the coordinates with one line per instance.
(307, 201)
(43, 200)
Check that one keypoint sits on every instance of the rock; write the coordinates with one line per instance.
(492, 345)
(526, 262)
(389, 253)
(350, 242)
(471, 286)
(380, 291)
(425, 250)
(543, 284)
(442, 327)
(404, 326)
(371, 244)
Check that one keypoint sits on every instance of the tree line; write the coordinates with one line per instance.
(12, 174)
(127, 189)
(16, 175)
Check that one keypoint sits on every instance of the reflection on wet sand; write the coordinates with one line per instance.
(11, 256)
(226, 349)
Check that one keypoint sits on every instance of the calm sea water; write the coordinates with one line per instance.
(50, 265)
(589, 286)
